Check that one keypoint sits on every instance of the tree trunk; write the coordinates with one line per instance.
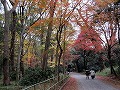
(84, 55)
(21, 42)
(20, 53)
(56, 60)
(12, 47)
(77, 65)
(47, 44)
(21, 62)
(41, 51)
(21, 68)
(49, 31)
(118, 24)
(110, 62)
(64, 52)
(59, 32)
(6, 79)
(116, 11)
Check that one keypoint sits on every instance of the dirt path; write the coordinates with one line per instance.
(85, 84)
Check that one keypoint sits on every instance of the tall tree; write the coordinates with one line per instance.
(63, 20)
(49, 31)
(7, 13)
(13, 27)
(105, 24)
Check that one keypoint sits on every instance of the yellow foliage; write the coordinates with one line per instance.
(30, 55)
(30, 29)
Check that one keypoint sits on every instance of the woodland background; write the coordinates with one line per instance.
(43, 38)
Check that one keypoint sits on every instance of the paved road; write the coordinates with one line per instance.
(95, 84)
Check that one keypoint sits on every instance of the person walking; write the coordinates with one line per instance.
(87, 74)
(92, 73)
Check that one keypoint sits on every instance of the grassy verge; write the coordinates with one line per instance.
(104, 72)
(12, 86)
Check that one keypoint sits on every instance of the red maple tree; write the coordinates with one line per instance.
(88, 40)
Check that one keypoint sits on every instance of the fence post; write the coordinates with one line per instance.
(34, 87)
(44, 85)
(50, 82)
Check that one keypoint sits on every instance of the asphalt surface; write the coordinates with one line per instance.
(90, 84)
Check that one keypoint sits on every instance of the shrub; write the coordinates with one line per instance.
(13, 75)
(118, 70)
(35, 75)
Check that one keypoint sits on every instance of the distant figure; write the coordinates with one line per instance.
(68, 71)
(92, 73)
(87, 74)
(69, 68)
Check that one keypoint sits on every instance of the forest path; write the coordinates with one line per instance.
(90, 84)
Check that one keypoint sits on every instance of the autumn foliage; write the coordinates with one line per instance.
(88, 40)
(43, 31)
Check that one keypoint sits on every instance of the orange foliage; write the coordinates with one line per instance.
(104, 3)
(69, 56)
(32, 62)
(38, 23)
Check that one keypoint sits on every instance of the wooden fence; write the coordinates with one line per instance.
(49, 84)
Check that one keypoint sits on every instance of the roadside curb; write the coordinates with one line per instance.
(65, 83)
